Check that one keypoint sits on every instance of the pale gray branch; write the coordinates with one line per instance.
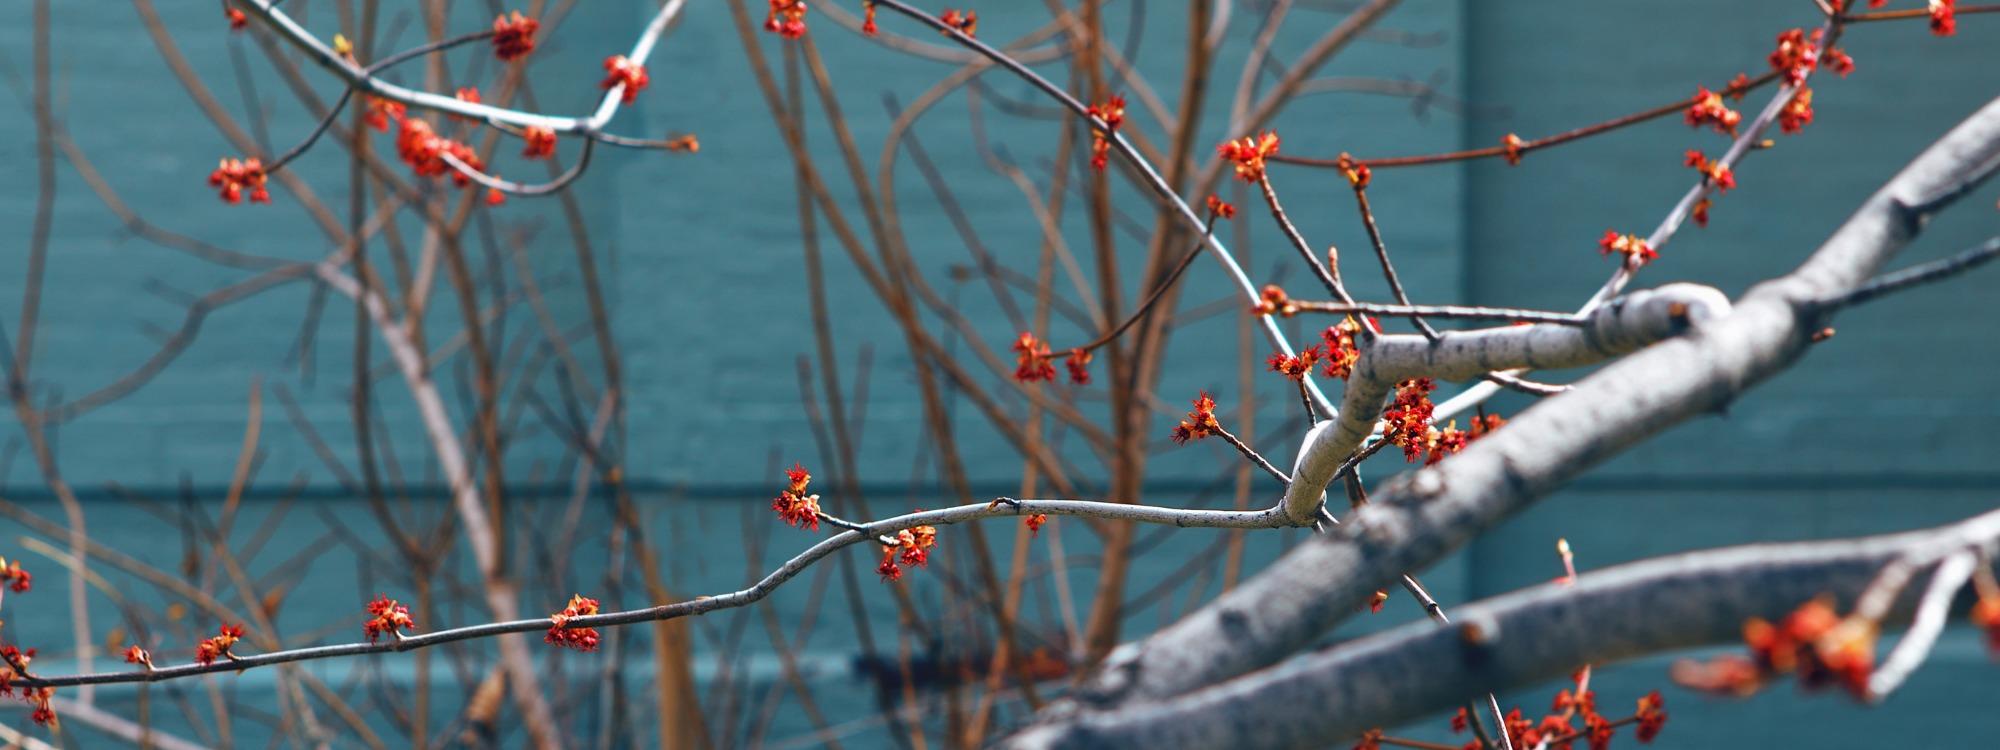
(1420, 517)
(358, 76)
(1951, 576)
(1623, 326)
(1510, 641)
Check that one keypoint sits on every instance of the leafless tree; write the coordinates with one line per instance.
(1241, 669)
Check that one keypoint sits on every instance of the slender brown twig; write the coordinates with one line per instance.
(1655, 113)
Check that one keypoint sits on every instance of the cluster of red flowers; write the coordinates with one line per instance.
(1341, 351)
(1797, 113)
(235, 175)
(419, 146)
(868, 19)
(911, 549)
(1450, 440)
(1336, 347)
(236, 18)
(1220, 209)
(1294, 367)
(1032, 359)
(1813, 641)
(1796, 56)
(787, 18)
(1078, 364)
(17, 580)
(619, 69)
(1034, 523)
(1376, 601)
(1817, 643)
(1112, 112)
(14, 663)
(1510, 149)
(1708, 109)
(39, 698)
(514, 35)
(1558, 730)
(541, 143)
(387, 618)
(218, 647)
(966, 22)
(380, 111)
(1635, 250)
(1408, 419)
(1717, 172)
(1652, 716)
(793, 505)
(1200, 423)
(581, 639)
(1738, 87)
(1944, 17)
(1248, 153)
(136, 655)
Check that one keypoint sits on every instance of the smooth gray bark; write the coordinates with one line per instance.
(1422, 516)
(1525, 637)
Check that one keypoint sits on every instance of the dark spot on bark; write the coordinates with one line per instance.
(1475, 640)
(1108, 689)
(1517, 484)
(1910, 217)
(1234, 623)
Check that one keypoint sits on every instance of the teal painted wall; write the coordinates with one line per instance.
(1885, 426)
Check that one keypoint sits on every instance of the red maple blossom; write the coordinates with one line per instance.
(620, 70)
(561, 634)
(1248, 154)
(386, 618)
(787, 18)
(233, 176)
(514, 35)
(1200, 423)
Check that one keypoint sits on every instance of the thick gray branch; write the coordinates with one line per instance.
(1507, 642)
(1621, 327)
(1420, 517)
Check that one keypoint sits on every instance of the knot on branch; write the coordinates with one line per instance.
(1641, 318)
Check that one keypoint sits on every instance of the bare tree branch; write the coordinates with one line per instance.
(1422, 516)
(1510, 641)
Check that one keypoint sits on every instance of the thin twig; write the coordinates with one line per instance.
(1937, 270)
(1527, 146)
(361, 79)
(1530, 387)
(1388, 268)
(1893, 15)
(1139, 313)
(1157, 184)
(1442, 311)
(1327, 276)
(1270, 518)
(1253, 455)
(1932, 611)
(515, 188)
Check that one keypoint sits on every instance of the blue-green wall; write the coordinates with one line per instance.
(1885, 426)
